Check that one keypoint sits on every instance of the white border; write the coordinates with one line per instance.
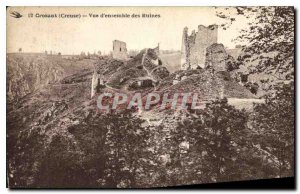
(150, 3)
(5, 3)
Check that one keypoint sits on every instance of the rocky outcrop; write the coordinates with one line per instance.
(208, 85)
(152, 64)
(123, 74)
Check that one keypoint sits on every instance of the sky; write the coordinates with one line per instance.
(91, 34)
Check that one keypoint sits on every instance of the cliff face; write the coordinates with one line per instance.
(28, 73)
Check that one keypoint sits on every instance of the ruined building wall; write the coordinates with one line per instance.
(184, 58)
(119, 50)
(194, 46)
(218, 59)
(97, 81)
(94, 84)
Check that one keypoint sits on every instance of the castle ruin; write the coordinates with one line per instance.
(218, 59)
(97, 83)
(119, 50)
(193, 49)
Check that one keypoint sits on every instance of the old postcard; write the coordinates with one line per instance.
(149, 97)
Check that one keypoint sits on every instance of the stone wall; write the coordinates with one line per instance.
(218, 59)
(119, 50)
(194, 46)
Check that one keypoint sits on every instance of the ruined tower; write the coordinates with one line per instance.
(94, 84)
(98, 82)
(184, 59)
(193, 49)
(119, 50)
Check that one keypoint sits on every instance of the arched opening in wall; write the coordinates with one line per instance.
(120, 49)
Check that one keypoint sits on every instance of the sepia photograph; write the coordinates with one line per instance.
(150, 97)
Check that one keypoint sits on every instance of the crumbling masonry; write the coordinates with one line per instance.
(119, 50)
(193, 49)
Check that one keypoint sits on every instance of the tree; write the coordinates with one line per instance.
(270, 54)
(61, 166)
(82, 54)
(217, 137)
(269, 36)
(274, 125)
(125, 146)
(24, 152)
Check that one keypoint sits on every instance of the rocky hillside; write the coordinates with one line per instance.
(58, 138)
(120, 74)
(27, 73)
(207, 85)
(58, 122)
